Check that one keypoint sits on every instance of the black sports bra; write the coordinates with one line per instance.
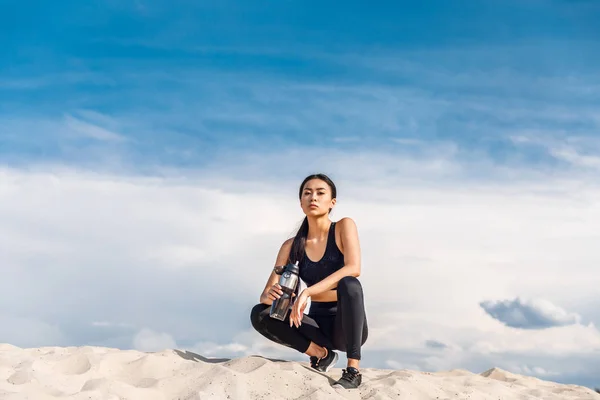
(312, 272)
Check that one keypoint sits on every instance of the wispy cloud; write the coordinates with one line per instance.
(51, 81)
(109, 324)
(204, 111)
(576, 158)
(90, 130)
(574, 150)
(410, 142)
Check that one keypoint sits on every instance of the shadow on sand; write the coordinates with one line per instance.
(188, 355)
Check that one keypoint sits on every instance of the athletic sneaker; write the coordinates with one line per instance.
(326, 363)
(351, 379)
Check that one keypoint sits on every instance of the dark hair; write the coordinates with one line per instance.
(297, 250)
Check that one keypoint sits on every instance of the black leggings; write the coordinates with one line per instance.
(340, 325)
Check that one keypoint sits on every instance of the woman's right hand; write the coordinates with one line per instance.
(274, 292)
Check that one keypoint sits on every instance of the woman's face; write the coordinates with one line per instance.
(316, 198)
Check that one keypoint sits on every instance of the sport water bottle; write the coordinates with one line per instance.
(288, 282)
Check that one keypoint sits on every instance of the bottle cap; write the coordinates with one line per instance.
(293, 268)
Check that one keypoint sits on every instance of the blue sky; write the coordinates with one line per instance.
(184, 84)
(464, 137)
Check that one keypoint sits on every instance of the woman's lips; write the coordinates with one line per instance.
(314, 206)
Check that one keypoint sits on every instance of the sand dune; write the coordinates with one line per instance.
(92, 373)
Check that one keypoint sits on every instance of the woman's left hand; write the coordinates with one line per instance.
(298, 309)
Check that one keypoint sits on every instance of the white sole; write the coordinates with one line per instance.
(338, 386)
(335, 359)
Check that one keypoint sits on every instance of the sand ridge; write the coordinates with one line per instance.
(94, 373)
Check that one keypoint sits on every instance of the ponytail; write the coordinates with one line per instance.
(297, 250)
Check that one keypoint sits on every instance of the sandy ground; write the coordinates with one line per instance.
(102, 373)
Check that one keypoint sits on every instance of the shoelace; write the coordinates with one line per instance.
(349, 375)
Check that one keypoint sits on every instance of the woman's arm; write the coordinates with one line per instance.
(282, 258)
(351, 250)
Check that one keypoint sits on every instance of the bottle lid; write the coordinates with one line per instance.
(293, 268)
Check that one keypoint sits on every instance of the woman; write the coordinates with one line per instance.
(336, 319)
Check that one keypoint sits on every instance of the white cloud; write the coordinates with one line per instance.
(533, 370)
(183, 260)
(149, 340)
(109, 324)
(408, 141)
(580, 152)
(574, 157)
(210, 349)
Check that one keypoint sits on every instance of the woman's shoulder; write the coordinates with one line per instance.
(346, 235)
(346, 229)
(346, 223)
(287, 244)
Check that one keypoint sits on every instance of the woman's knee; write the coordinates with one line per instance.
(350, 286)
(257, 315)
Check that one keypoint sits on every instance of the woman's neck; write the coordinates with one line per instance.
(318, 227)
